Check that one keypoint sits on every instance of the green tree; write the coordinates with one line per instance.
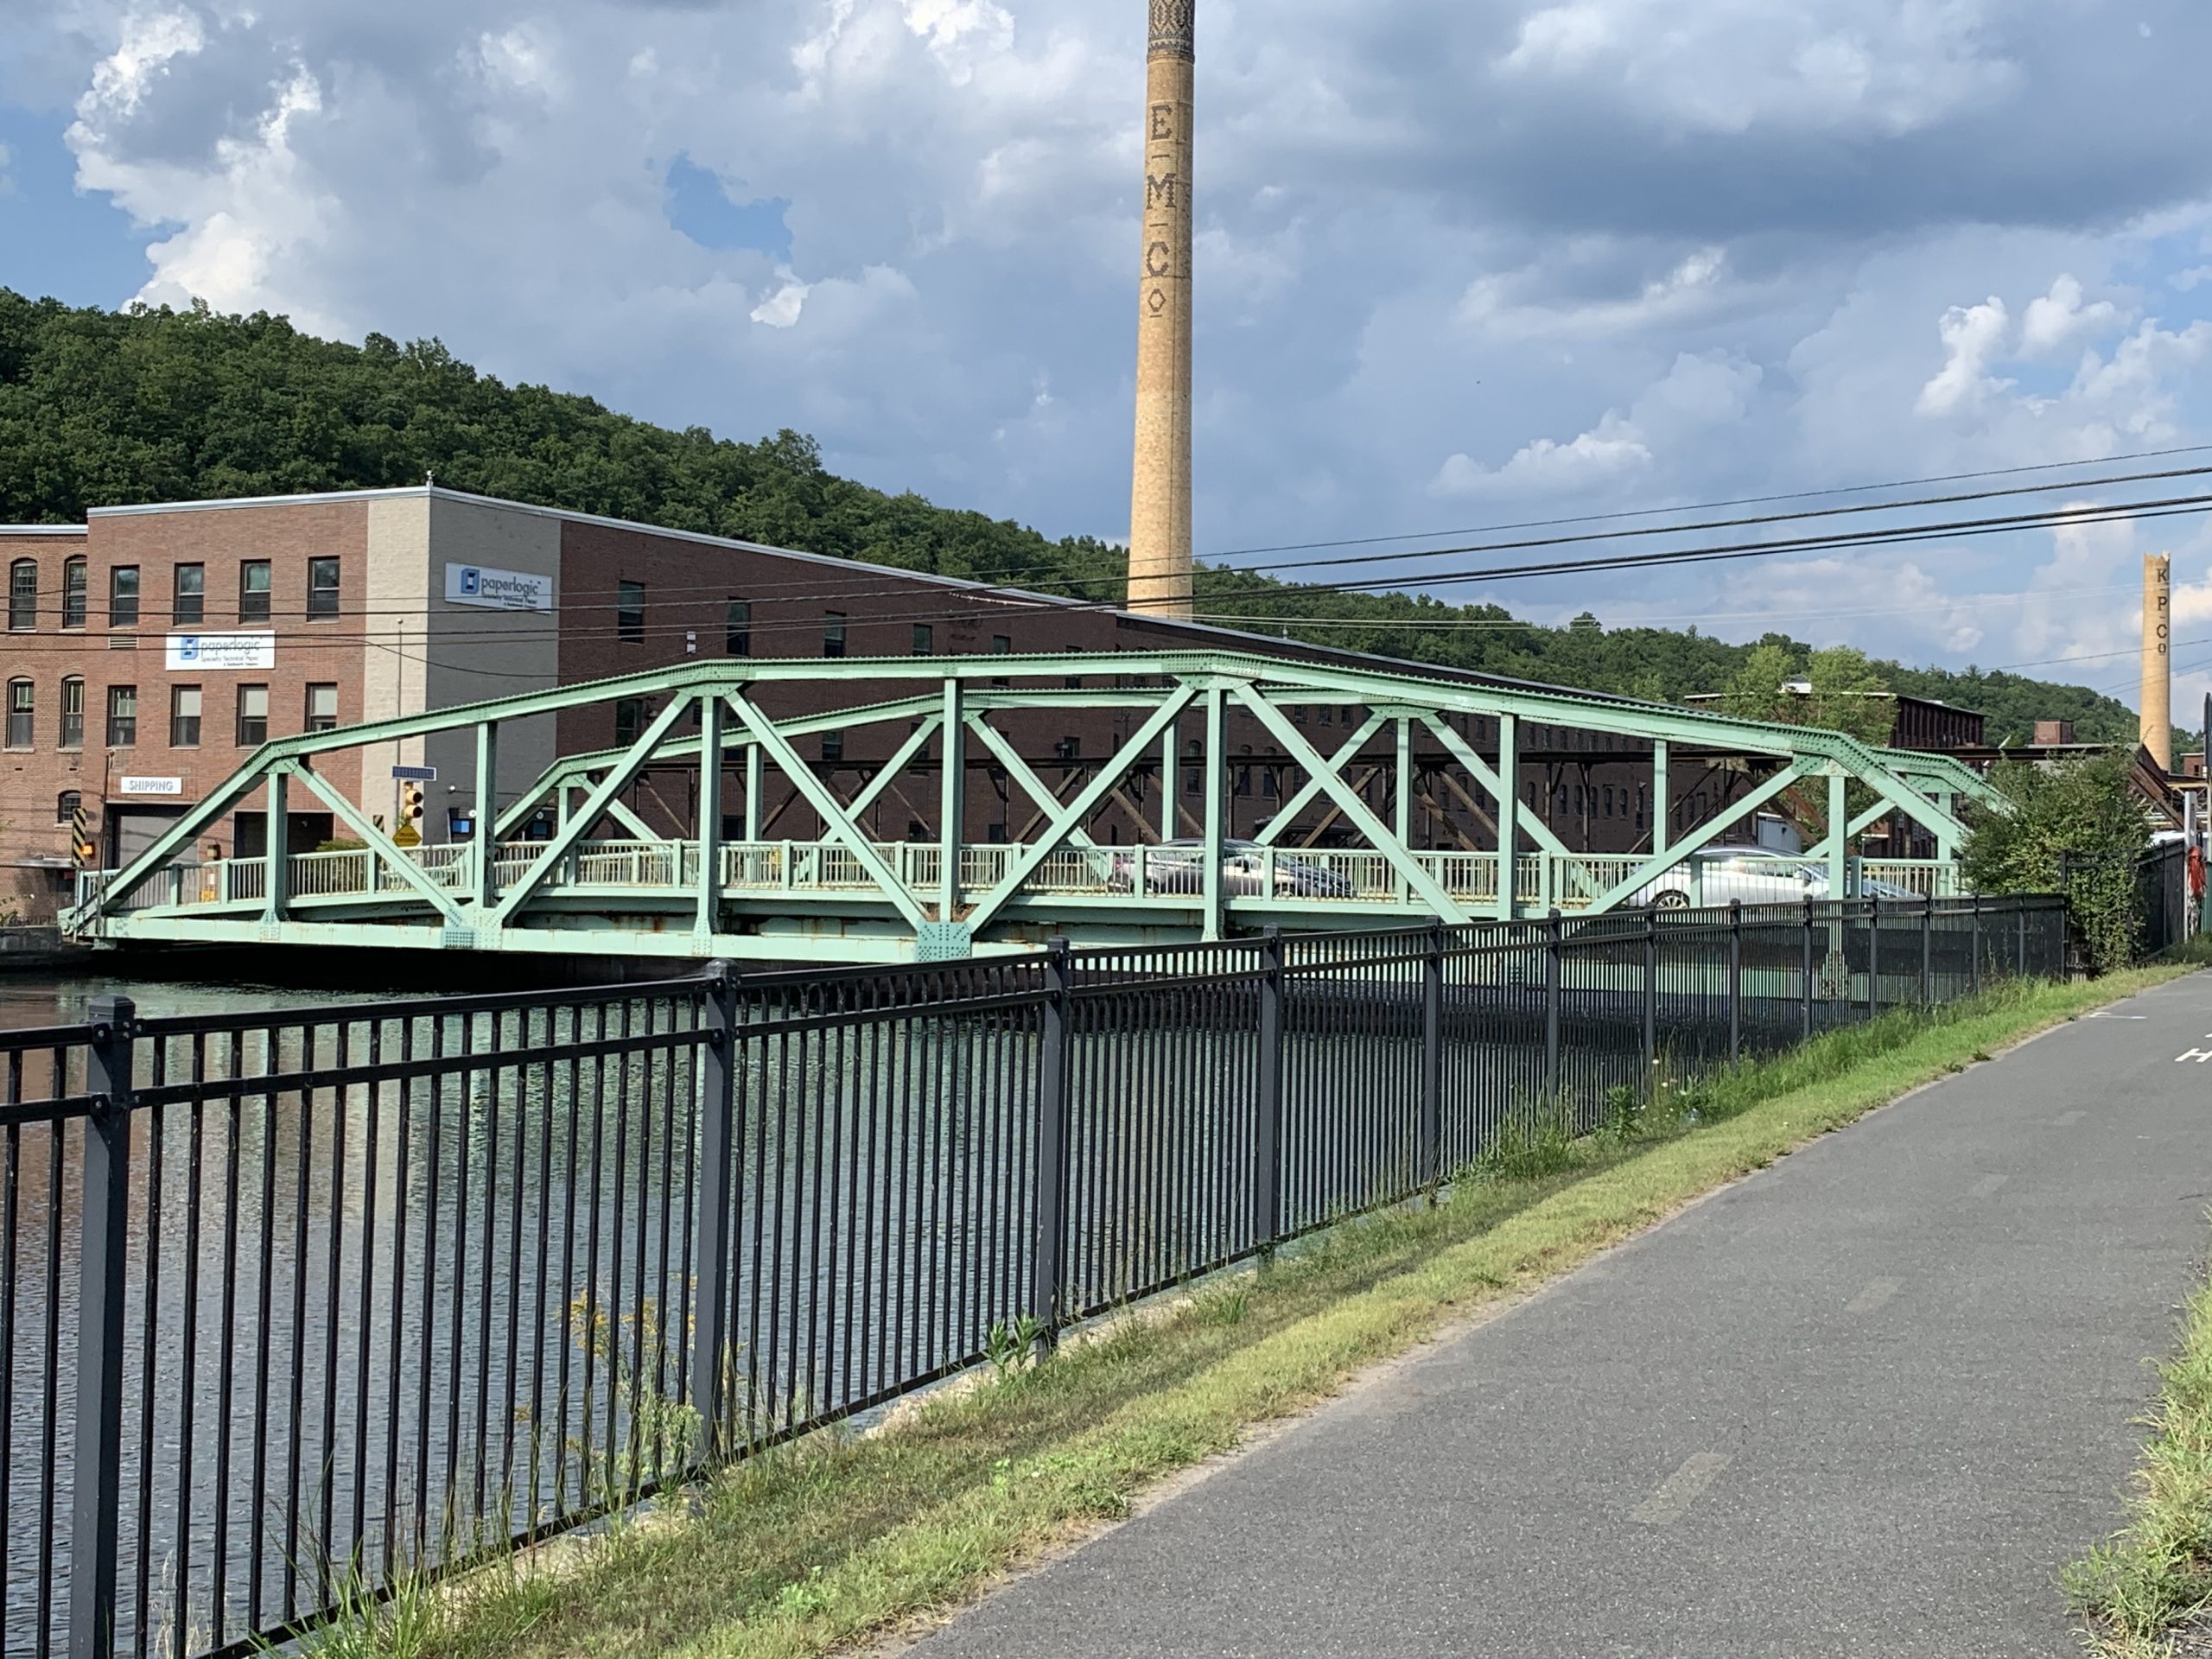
(2075, 827)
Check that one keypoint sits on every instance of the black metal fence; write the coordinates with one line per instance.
(295, 1304)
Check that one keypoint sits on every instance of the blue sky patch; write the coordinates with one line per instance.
(55, 240)
(700, 206)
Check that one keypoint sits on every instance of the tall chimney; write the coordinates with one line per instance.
(2157, 658)
(1159, 496)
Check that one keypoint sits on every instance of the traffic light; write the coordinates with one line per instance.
(80, 838)
(411, 805)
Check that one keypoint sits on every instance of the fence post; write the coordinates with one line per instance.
(97, 1524)
(1973, 980)
(1429, 1161)
(1873, 956)
(1650, 999)
(1735, 980)
(1805, 1016)
(1055, 1058)
(713, 1221)
(1928, 952)
(1551, 1006)
(2020, 925)
(1267, 1116)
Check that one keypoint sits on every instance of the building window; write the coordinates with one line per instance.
(1070, 750)
(629, 720)
(1297, 714)
(925, 639)
(22, 596)
(1001, 647)
(123, 597)
(1609, 800)
(73, 713)
(1328, 715)
(72, 594)
(184, 718)
(737, 629)
(833, 634)
(66, 804)
(21, 708)
(322, 707)
(253, 591)
(1267, 785)
(188, 603)
(630, 612)
(833, 749)
(995, 835)
(322, 587)
(253, 716)
(122, 716)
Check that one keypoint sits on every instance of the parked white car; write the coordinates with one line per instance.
(1757, 875)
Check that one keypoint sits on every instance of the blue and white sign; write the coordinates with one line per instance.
(220, 653)
(497, 590)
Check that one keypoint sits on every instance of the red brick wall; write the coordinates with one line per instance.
(220, 539)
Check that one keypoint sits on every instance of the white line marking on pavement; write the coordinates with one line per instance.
(1987, 1185)
(2101, 1014)
(1678, 1491)
(2200, 1055)
(1878, 1291)
(2067, 1120)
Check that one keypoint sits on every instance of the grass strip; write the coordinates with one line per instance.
(2152, 1582)
(823, 1544)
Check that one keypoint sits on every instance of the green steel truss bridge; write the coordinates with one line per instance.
(604, 881)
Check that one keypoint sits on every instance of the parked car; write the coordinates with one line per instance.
(1756, 875)
(1179, 866)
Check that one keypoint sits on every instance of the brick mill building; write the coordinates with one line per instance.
(150, 650)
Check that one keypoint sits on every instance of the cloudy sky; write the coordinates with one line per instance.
(1462, 262)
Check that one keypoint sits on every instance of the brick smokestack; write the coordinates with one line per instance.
(2157, 658)
(1159, 496)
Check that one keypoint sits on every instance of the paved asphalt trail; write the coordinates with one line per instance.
(1865, 1403)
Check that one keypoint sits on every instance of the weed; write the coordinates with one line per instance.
(1537, 1138)
(1225, 1305)
(1011, 1347)
(1625, 1110)
(2139, 1587)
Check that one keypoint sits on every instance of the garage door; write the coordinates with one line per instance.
(132, 829)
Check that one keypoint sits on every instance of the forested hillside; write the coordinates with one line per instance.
(98, 408)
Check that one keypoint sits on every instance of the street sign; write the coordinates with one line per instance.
(414, 774)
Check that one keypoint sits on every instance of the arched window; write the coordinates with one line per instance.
(72, 594)
(66, 805)
(22, 705)
(22, 596)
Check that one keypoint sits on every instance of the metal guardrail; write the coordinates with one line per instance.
(298, 1299)
(1542, 882)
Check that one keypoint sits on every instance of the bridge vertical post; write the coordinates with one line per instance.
(1170, 783)
(715, 1222)
(1509, 813)
(277, 894)
(1552, 944)
(1663, 815)
(1838, 829)
(484, 820)
(1735, 980)
(1805, 1014)
(713, 711)
(1428, 1160)
(753, 815)
(952, 802)
(1055, 1074)
(1927, 951)
(1650, 999)
(1210, 870)
(1267, 1112)
(1402, 824)
(103, 1252)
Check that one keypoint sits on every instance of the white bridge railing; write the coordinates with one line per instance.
(620, 868)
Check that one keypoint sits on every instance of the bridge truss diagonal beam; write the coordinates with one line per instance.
(385, 852)
(1384, 840)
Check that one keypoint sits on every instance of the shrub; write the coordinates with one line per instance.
(2076, 828)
